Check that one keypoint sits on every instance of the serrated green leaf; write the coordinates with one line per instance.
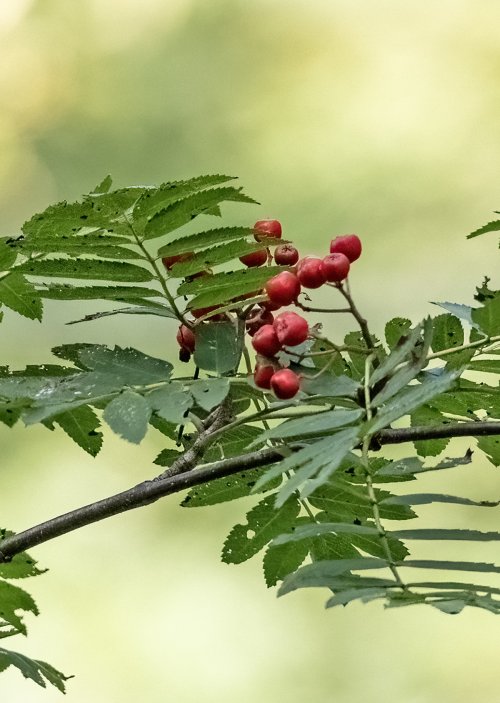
(225, 286)
(429, 416)
(21, 296)
(283, 560)
(92, 243)
(34, 669)
(448, 332)
(124, 294)
(430, 498)
(129, 365)
(312, 465)
(91, 269)
(12, 599)
(21, 565)
(363, 594)
(210, 392)
(463, 312)
(444, 534)
(264, 522)
(8, 253)
(204, 240)
(468, 397)
(488, 316)
(485, 365)
(218, 347)
(224, 489)
(149, 309)
(81, 424)
(491, 447)
(398, 355)
(128, 416)
(232, 443)
(451, 565)
(322, 573)
(316, 529)
(490, 227)
(171, 402)
(330, 385)
(182, 211)
(167, 456)
(153, 200)
(408, 400)
(313, 425)
(395, 329)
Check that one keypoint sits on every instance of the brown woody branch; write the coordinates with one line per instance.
(183, 474)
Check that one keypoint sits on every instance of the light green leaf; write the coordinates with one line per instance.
(451, 565)
(323, 528)
(363, 594)
(395, 329)
(444, 534)
(171, 402)
(264, 522)
(129, 366)
(321, 573)
(104, 185)
(128, 415)
(399, 354)
(8, 253)
(491, 447)
(485, 365)
(218, 347)
(92, 269)
(19, 295)
(312, 425)
(430, 498)
(488, 316)
(210, 392)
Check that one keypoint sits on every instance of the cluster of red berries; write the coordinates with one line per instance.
(269, 334)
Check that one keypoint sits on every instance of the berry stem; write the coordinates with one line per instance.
(363, 324)
(309, 308)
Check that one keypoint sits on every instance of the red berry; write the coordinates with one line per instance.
(258, 319)
(255, 258)
(286, 255)
(336, 267)
(265, 341)
(291, 329)
(348, 244)
(169, 261)
(185, 338)
(310, 272)
(285, 384)
(267, 305)
(269, 228)
(283, 289)
(262, 376)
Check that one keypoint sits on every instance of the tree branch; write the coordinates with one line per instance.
(186, 476)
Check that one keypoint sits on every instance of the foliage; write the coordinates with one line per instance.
(325, 493)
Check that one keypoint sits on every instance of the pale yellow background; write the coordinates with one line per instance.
(381, 118)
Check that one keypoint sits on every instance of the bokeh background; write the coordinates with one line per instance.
(338, 116)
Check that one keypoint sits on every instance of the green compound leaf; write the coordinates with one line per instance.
(264, 522)
(38, 671)
(208, 258)
(431, 498)
(148, 309)
(218, 347)
(224, 489)
(183, 211)
(21, 566)
(128, 416)
(399, 354)
(313, 425)
(81, 425)
(21, 296)
(279, 561)
(443, 534)
(92, 269)
(129, 365)
(12, 599)
(233, 443)
(210, 392)
(204, 240)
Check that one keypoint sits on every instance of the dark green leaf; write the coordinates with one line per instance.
(104, 185)
(429, 416)
(208, 258)
(224, 489)
(21, 296)
(34, 669)
(488, 316)
(130, 366)
(202, 240)
(218, 347)
(312, 425)
(171, 402)
(430, 498)
(233, 443)
(315, 529)
(448, 332)
(283, 560)
(124, 294)
(363, 594)
(128, 415)
(81, 424)
(167, 456)
(91, 269)
(264, 522)
(12, 599)
(330, 385)
(451, 565)
(8, 254)
(485, 365)
(490, 227)
(443, 534)
(149, 309)
(400, 353)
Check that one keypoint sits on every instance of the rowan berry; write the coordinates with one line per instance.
(185, 338)
(255, 258)
(348, 244)
(336, 267)
(310, 272)
(265, 341)
(283, 288)
(268, 228)
(286, 255)
(262, 376)
(285, 384)
(291, 329)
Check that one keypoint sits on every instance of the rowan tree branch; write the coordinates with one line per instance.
(186, 476)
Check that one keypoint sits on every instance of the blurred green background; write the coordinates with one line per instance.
(338, 116)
